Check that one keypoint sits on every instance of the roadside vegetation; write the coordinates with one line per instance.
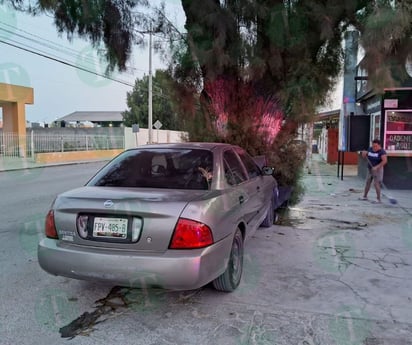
(245, 72)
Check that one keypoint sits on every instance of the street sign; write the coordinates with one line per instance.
(135, 128)
(157, 124)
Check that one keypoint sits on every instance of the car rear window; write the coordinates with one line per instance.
(158, 168)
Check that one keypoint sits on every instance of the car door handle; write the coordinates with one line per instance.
(241, 199)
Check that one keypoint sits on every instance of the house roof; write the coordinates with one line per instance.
(93, 116)
(326, 114)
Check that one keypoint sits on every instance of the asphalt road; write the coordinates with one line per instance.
(338, 271)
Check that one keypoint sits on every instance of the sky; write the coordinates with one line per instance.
(60, 89)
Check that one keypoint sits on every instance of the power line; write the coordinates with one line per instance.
(65, 63)
(161, 95)
(171, 24)
(63, 49)
(41, 40)
(56, 47)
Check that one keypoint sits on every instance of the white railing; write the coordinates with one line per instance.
(13, 145)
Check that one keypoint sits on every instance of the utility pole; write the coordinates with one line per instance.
(349, 96)
(150, 109)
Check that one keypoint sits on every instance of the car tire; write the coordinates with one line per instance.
(230, 279)
(270, 216)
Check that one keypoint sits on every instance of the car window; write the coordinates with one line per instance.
(159, 159)
(234, 172)
(252, 168)
(158, 168)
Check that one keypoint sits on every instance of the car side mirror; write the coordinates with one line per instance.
(268, 170)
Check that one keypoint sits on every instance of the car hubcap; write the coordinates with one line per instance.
(236, 261)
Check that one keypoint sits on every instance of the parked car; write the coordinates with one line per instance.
(174, 216)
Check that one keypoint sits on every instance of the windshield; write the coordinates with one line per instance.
(158, 168)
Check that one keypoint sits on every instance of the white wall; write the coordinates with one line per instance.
(158, 136)
(323, 144)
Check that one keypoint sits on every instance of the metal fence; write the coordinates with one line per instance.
(13, 145)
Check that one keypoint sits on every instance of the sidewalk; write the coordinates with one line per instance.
(324, 183)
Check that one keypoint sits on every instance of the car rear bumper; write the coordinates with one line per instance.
(174, 269)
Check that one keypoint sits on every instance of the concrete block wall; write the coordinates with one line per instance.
(131, 140)
(159, 136)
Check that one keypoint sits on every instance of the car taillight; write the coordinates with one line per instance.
(50, 227)
(190, 234)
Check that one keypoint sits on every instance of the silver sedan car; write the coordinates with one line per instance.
(174, 216)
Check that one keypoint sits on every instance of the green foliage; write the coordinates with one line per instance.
(162, 102)
(291, 50)
(287, 51)
(252, 122)
(285, 154)
(115, 23)
(288, 159)
(386, 36)
(283, 51)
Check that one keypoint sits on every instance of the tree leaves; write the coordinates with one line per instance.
(163, 102)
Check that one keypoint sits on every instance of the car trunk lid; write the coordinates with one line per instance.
(151, 215)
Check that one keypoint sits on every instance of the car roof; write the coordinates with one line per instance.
(186, 145)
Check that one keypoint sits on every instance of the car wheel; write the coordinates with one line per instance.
(270, 216)
(230, 279)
